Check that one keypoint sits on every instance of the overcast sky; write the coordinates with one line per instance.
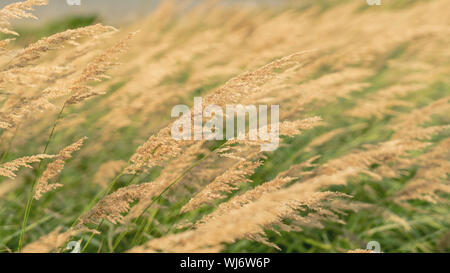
(111, 10)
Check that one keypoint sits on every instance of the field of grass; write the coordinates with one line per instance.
(375, 168)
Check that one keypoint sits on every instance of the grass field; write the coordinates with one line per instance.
(375, 168)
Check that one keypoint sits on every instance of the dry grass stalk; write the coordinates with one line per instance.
(30, 76)
(3, 44)
(78, 89)
(111, 209)
(54, 168)
(16, 11)
(247, 197)
(380, 103)
(50, 242)
(225, 183)
(168, 175)
(280, 181)
(286, 128)
(162, 147)
(383, 154)
(113, 206)
(35, 50)
(431, 177)
(95, 71)
(13, 117)
(9, 169)
(155, 151)
(251, 220)
(247, 84)
(409, 125)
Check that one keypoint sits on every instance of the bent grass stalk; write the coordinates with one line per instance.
(99, 195)
(158, 198)
(33, 187)
(102, 194)
(93, 203)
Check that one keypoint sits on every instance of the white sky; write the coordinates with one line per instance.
(112, 11)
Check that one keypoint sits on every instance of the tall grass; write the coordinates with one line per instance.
(88, 156)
